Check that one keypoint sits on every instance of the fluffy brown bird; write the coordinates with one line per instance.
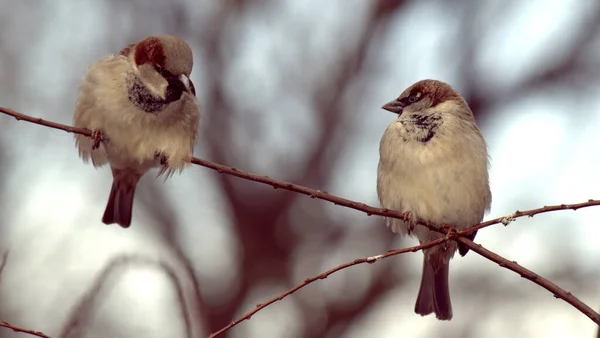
(143, 106)
(434, 164)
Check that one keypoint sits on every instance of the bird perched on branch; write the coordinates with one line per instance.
(434, 165)
(141, 106)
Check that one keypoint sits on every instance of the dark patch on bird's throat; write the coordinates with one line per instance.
(142, 98)
(421, 128)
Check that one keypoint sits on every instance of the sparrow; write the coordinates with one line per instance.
(141, 107)
(433, 164)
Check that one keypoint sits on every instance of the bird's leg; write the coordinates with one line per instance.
(449, 235)
(98, 137)
(411, 222)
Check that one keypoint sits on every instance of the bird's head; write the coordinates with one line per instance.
(162, 67)
(424, 95)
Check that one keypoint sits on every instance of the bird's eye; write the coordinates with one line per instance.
(412, 98)
(162, 70)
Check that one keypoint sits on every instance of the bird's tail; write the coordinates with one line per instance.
(120, 201)
(434, 293)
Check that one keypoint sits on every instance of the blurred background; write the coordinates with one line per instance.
(292, 89)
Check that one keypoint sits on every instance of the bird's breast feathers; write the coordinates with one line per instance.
(439, 179)
(134, 136)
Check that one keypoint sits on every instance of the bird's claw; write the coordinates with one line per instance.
(163, 158)
(449, 235)
(98, 137)
(411, 223)
(164, 162)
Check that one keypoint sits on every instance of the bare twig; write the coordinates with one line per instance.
(42, 122)
(326, 274)
(532, 276)
(18, 329)
(318, 194)
(503, 262)
(369, 210)
(530, 213)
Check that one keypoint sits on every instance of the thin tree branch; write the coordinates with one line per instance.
(18, 329)
(42, 122)
(478, 248)
(318, 194)
(532, 276)
(369, 260)
(369, 210)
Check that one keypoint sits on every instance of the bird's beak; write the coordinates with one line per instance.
(394, 106)
(186, 82)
